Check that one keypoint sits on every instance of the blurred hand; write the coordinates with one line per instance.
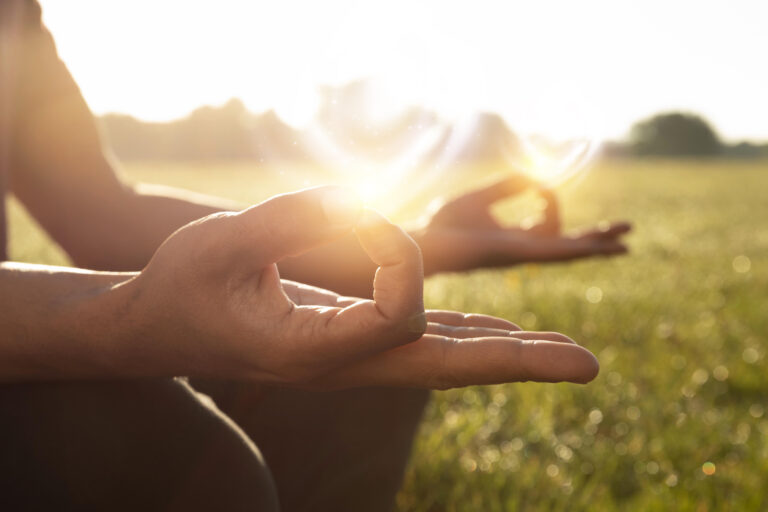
(463, 234)
(211, 304)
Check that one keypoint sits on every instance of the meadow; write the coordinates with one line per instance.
(677, 418)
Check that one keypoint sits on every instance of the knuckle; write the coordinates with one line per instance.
(416, 324)
(402, 242)
(405, 328)
(269, 223)
(271, 217)
(525, 371)
(409, 245)
(559, 337)
(398, 332)
(440, 374)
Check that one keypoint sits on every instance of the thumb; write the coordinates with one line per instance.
(290, 224)
(551, 211)
(399, 282)
(396, 315)
(550, 224)
(501, 189)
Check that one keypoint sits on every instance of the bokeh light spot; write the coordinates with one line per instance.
(741, 264)
(750, 355)
(720, 373)
(594, 294)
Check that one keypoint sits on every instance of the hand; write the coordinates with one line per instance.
(457, 350)
(211, 304)
(463, 234)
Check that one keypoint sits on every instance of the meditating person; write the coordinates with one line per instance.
(178, 363)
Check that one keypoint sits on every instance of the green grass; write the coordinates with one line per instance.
(680, 333)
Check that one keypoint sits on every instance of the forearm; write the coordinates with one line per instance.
(126, 236)
(147, 215)
(108, 225)
(59, 323)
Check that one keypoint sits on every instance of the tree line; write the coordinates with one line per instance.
(230, 131)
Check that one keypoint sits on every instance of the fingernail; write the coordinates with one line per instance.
(418, 323)
(371, 219)
(342, 207)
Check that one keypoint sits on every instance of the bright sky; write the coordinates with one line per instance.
(559, 66)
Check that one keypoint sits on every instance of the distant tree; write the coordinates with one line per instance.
(747, 149)
(207, 133)
(674, 134)
(615, 149)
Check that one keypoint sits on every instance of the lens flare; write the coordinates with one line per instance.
(376, 138)
(375, 142)
(554, 163)
(557, 133)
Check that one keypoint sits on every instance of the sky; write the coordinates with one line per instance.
(561, 67)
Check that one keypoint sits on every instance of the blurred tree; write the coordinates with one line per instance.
(747, 149)
(230, 131)
(674, 134)
(208, 133)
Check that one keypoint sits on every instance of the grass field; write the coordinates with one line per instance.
(678, 417)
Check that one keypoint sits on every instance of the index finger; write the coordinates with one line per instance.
(394, 317)
(613, 230)
(506, 187)
(551, 222)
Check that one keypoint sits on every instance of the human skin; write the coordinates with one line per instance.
(211, 303)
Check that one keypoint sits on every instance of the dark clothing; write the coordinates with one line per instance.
(161, 444)
(124, 446)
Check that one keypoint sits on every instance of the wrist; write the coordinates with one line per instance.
(436, 259)
(98, 327)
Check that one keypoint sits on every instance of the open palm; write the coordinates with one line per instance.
(463, 233)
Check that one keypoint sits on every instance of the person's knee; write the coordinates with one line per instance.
(227, 472)
(343, 450)
(133, 445)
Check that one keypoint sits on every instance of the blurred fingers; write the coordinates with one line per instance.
(612, 230)
(506, 187)
(550, 224)
(609, 247)
(567, 249)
